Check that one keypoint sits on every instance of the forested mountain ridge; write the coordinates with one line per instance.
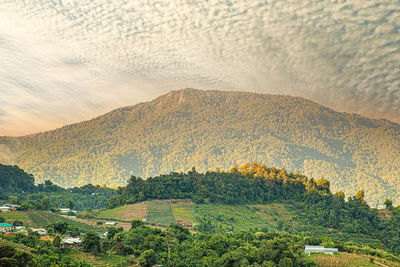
(205, 129)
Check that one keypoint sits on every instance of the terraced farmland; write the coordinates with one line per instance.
(159, 212)
(183, 212)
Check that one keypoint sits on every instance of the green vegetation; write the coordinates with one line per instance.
(15, 216)
(264, 217)
(248, 216)
(183, 211)
(18, 187)
(29, 250)
(104, 259)
(160, 213)
(318, 208)
(112, 213)
(43, 218)
(177, 247)
(213, 128)
(15, 180)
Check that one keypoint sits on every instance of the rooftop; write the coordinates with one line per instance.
(6, 225)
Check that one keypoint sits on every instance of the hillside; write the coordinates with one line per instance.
(205, 129)
(13, 179)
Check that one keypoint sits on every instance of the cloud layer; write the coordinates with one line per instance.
(68, 60)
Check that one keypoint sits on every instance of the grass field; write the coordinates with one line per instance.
(112, 213)
(10, 217)
(183, 211)
(269, 217)
(43, 218)
(159, 212)
(345, 259)
(274, 213)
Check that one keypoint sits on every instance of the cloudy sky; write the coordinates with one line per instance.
(63, 61)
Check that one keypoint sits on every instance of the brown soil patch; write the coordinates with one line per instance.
(135, 211)
(46, 238)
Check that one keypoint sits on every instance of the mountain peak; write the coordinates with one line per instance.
(208, 128)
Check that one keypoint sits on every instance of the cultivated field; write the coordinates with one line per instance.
(42, 218)
(345, 259)
(183, 211)
(125, 213)
(269, 217)
(159, 212)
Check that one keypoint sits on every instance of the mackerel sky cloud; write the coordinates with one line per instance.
(69, 60)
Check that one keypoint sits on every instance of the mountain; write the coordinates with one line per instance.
(204, 129)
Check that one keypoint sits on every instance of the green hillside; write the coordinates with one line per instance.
(213, 128)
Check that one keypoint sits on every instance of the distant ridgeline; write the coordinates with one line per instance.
(18, 186)
(255, 183)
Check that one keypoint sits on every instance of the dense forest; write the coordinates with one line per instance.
(18, 187)
(176, 246)
(213, 128)
(256, 183)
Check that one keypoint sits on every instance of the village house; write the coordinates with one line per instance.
(71, 242)
(40, 231)
(20, 228)
(4, 209)
(7, 228)
(319, 249)
(110, 223)
(66, 210)
(12, 207)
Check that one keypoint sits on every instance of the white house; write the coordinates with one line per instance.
(319, 249)
(20, 228)
(40, 231)
(71, 242)
(11, 206)
(110, 223)
(66, 210)
(4, 209)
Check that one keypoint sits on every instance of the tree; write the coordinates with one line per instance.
(340, 195)
(17, 223)
(91, 243)
(360, 196)
(45, 203)
(15, 201)
(58, 227)
(136, 223)
(147, 258)
(70, 204)
(286, 262)
(388, 203)
(57, 241)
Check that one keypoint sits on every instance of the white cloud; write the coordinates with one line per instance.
(68, 60)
